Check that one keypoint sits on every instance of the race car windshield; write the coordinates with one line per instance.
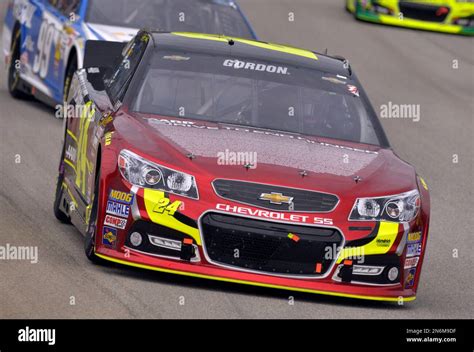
(254, 93)
(204, 16)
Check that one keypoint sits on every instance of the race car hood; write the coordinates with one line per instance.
(211, 151)
(109, 33)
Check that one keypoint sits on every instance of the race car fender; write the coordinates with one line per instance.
(424, 218)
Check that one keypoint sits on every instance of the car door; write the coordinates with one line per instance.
(48, 64)
(83, 131)
(80, 151)
(29, 15)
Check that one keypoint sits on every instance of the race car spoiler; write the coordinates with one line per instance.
(102, 54)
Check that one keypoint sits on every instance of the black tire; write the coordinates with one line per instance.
(71, 69)
(58, 213)
(14, 80)
(89, 242)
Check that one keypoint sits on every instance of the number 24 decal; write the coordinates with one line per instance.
(164, 205)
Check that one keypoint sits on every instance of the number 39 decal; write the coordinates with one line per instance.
(47, 36)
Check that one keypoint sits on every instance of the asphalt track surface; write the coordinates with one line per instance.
(395, 65)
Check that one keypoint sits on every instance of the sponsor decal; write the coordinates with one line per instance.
(29, 44)
(71, 153)
(122, 197)
(414, 249)
(108, 139)
(115, 222)
(58, 54)
(411, 262)
(109, 236)
(414, 237)
(24, 11)
(353, 89)
(273, 215)
(245, 65)
(382, 242)
(118, 209)
(105, 120)
(410, 280)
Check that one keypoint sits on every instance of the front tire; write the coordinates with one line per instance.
(14, 79)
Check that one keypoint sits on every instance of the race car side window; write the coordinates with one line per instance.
(71, 7)
(120, 78)
(67, 7)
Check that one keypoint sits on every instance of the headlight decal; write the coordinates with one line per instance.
(398, 208)
(147, 174)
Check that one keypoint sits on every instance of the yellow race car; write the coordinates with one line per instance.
(448, 16)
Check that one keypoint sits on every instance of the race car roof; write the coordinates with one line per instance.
(249, 49)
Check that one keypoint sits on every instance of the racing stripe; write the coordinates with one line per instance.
(152, 199)
(70, 164)
(83, 165)
(69, 132)
(254, 283)
(388, 231)
(269, 46)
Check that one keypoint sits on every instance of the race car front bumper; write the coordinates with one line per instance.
(393, 18)
(206, 239)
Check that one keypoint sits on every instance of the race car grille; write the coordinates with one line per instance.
(268, 247)
(424, 12)
(260, 195)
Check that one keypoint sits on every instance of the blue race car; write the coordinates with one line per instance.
(44, 40)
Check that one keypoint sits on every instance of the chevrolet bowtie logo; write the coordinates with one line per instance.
(276, 198)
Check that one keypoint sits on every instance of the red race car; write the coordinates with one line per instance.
(241, 161)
